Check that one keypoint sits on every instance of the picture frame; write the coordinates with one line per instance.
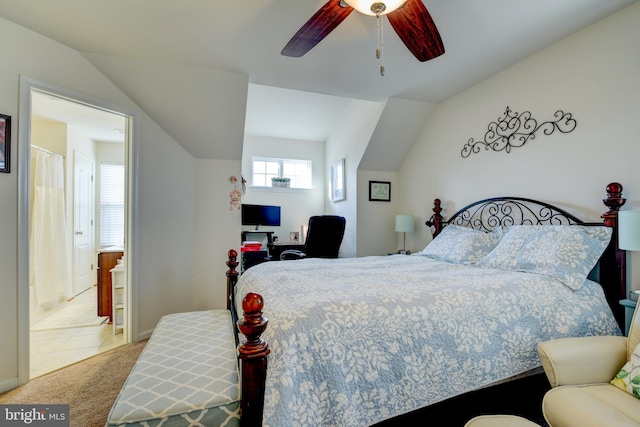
(379, 191)
(5, 143)
(338, 181)
(294, 237)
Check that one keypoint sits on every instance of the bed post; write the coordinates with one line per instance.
(232, 279)
(436, 221)
(613, 274)
(253, 356)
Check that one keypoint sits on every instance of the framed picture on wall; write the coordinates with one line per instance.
(338, 181)
(5, 143)
(379, 191)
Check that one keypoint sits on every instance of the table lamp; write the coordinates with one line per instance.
(404, 225)
(629, 230)
(629, 233)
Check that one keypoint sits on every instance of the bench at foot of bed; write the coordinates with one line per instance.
(188, 372)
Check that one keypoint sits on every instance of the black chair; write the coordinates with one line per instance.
(324, 236)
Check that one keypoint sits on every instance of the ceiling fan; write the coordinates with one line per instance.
(409, 18)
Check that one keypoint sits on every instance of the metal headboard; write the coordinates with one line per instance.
(489, 214)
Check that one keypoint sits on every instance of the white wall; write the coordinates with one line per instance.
(376, 219)
(215, 97)
(594, 76)
(50, 135)
(217, 229)
(297, 204)
(166, 234)
(349, 140)
(166, 189)
(109, 152)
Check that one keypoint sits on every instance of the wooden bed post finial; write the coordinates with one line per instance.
(614, 202)
(253, 355)
(253, 325)
(436, 220)
(232, 263)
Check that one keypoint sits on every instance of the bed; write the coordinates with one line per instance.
(357, 341)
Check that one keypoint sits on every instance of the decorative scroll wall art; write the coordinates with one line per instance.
(515, 129)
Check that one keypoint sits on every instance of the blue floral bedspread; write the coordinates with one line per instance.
(359, 340)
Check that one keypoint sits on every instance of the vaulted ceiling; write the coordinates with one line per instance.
(187, 42)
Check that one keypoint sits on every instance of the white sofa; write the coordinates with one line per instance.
(579, 371)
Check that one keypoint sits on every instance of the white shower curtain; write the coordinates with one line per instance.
(50, 266)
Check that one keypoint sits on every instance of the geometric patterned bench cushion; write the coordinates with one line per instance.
(186, 375)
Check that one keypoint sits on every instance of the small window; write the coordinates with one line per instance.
(111, 204)
(298, 171)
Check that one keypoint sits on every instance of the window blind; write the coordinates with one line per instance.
(112, 188)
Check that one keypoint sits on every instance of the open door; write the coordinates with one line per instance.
(83, 224)
(82, 154)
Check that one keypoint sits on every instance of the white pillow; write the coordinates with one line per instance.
(564, 252)
(462, 245)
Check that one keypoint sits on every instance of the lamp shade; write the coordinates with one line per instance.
(404, 223)
(364, 6)
(629, 230)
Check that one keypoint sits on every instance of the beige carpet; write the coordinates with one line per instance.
(89, 387)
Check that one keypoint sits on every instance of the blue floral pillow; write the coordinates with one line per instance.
(564, 252)
(462, 245)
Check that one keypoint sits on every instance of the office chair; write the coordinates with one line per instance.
(324, 236)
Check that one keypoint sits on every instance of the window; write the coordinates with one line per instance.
(263, 169)
(111, 204)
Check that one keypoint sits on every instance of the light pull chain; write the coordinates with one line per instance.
(378, 8)
(380, 49)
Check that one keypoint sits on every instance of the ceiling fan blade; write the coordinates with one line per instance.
(317, 28)
(417, 30)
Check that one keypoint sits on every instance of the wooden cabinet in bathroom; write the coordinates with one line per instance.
(107, 259)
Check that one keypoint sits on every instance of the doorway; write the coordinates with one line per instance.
(76, 130)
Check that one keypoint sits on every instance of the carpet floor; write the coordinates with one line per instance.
(89, 387)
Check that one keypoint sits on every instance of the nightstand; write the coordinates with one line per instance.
(629, 308)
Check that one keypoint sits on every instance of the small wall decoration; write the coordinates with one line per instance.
(5, 143)
(294, 237)
(234, 195)
(234, 202)
(379, 191)
(338, 181)
(514, 130)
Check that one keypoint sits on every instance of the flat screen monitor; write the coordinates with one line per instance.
(258, 215)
